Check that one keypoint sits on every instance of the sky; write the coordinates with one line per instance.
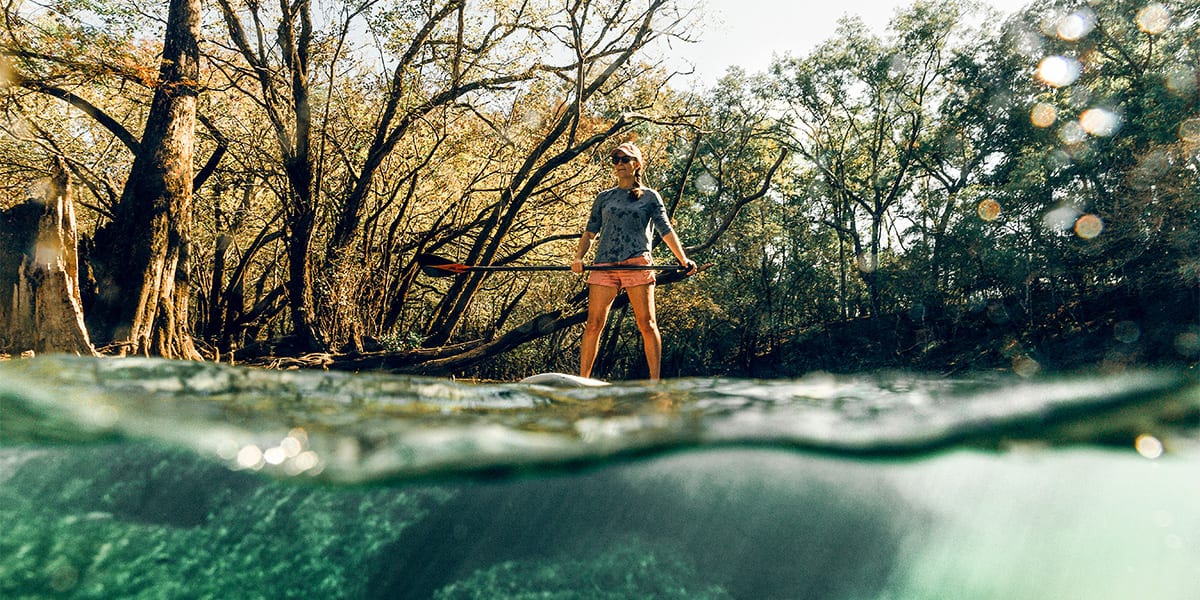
(748, 33)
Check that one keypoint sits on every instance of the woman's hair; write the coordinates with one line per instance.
(631, 150)
(635, 193)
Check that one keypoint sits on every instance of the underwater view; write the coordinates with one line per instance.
(148, 478)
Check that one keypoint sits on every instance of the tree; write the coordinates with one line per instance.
(143, 252)
(861, 111)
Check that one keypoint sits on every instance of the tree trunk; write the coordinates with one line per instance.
(40, 305)
(141, 256)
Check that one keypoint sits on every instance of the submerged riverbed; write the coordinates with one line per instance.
(157, 479)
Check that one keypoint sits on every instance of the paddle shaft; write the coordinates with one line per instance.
(437, 266)
(566, 268)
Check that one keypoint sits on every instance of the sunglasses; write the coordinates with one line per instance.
(622, 159)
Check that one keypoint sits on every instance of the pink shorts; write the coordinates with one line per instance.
(622, 279)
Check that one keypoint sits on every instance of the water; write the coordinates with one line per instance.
(130, 478)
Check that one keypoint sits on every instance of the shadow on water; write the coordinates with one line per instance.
(758, 524)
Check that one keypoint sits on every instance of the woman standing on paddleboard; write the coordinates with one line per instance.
(624, 218)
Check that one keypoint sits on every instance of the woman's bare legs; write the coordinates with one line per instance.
(600, 298)
(641, 297)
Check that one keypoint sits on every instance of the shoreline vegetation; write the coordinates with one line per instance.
(1105, 334)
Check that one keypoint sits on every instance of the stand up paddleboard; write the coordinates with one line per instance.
(562, 380)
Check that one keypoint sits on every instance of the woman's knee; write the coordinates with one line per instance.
(647, 325)
(594, 324)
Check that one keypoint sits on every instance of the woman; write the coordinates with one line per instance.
(623, 219)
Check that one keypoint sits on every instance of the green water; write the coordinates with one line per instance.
(153, 479)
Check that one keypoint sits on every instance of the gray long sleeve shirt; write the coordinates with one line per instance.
(624, 226)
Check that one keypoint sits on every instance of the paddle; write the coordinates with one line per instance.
(436, 266)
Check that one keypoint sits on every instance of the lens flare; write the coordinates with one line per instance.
(988, 210)
(1043, 115)
(1059, 71)
(1154, 19)
(1088, 226)
(1076, 25)
(1100, 122)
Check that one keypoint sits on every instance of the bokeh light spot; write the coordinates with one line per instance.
(1181, 80)
(868, 262)
(1126, 332)
(1189, 130)
(1100, 122)
(1088, 226)
(1072, 133)
(291, 446)
(705, 183)
(250, 457)
(1188, 343)
(274, 456)
(1058, 71)
(1043, 115)
(1148, 446)
(1061, 218)
(1154, 19)
(1076, 25)
(1025, 366)
(988, 210)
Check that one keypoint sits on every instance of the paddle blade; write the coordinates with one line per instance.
(436, 266)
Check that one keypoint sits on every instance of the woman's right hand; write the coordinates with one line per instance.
(577, 265)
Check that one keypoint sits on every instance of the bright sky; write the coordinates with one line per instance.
(748, 33)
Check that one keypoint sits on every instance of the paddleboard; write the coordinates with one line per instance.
(562, 380)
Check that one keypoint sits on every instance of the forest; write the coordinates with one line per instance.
(252, 182)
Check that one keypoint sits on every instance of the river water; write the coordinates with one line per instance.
(141, 478)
